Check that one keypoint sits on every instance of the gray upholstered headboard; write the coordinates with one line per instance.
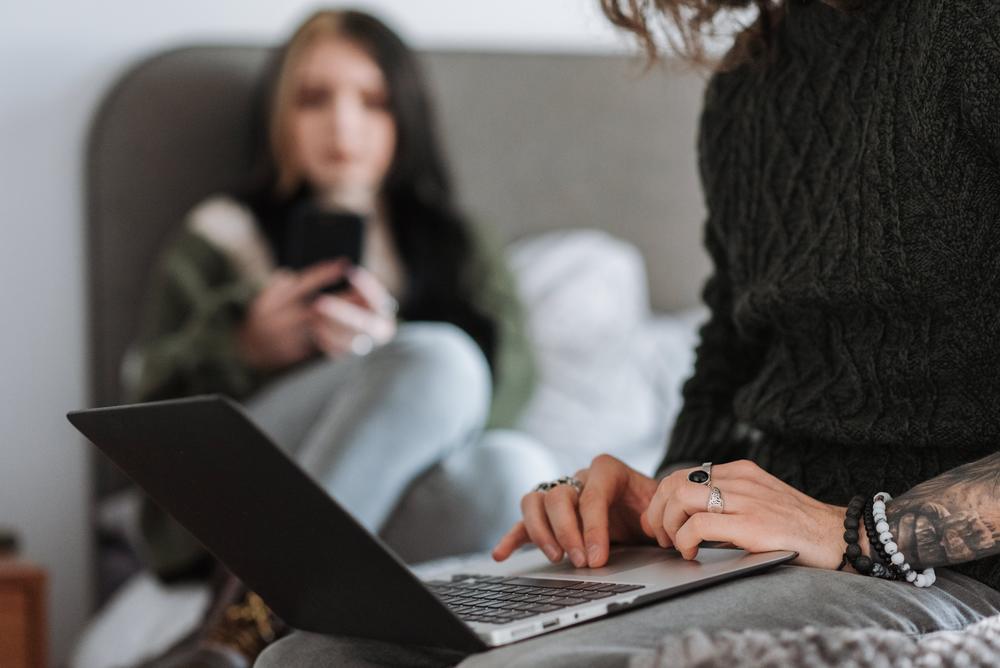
(537, 142)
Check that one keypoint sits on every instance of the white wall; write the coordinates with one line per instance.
(56, 60)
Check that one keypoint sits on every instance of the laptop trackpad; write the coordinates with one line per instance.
(620, 560)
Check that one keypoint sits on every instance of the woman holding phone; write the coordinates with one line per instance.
(419, 350)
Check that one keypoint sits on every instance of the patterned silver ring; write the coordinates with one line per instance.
(716, 504)
(565, 480)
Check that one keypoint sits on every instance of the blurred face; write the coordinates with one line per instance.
(343, 135)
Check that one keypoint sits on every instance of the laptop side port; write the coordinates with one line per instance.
(549, 624)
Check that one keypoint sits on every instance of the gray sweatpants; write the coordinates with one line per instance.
(788, 597)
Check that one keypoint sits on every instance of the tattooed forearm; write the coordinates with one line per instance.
(952, 518)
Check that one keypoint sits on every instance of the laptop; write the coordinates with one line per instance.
(205, 462)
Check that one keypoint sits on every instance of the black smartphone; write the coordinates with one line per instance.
(314, 235)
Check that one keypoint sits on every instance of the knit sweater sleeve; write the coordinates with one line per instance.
(706, 429)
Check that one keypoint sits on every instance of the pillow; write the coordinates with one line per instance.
(584, 290)
(609, 374)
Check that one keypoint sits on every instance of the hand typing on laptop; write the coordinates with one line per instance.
(742, 504)
(610, 508)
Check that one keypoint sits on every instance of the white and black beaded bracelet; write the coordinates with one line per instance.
(924, 578)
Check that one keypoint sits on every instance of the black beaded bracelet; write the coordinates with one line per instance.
(852, 524)
(882, 566)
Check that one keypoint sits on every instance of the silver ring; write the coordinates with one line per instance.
(362, 344)
(716, 504)
(702, 475)
(565, 480)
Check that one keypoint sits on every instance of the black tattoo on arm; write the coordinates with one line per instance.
(950, 519)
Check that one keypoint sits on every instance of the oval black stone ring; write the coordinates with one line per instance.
(702, 475)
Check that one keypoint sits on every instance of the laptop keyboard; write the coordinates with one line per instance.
(498, 600)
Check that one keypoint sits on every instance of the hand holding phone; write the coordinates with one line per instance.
(277, 329)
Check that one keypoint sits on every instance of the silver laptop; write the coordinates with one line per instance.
(205, 462)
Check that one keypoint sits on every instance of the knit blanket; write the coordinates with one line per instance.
(975, 646)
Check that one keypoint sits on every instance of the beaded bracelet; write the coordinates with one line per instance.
(852, 554)
(922, 579)
(882, 566)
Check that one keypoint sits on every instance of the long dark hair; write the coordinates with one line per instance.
(432, 237)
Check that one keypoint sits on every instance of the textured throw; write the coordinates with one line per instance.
(853, 187)
(975, 647)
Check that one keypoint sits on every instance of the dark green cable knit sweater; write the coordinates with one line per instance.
(853, 188)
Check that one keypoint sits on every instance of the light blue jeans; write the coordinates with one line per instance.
(397, 438)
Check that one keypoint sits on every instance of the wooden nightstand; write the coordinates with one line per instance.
(23, 640)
